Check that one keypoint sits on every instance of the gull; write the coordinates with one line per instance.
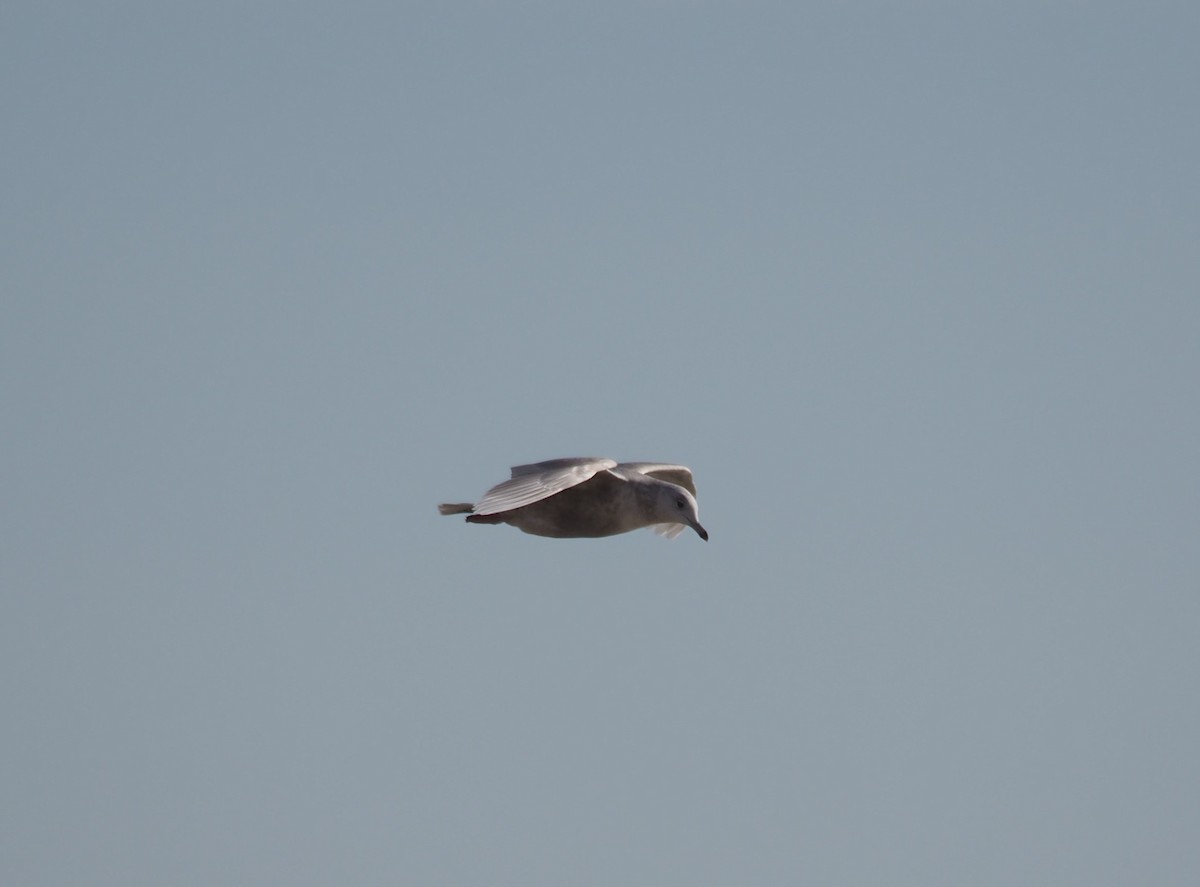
(589, 497)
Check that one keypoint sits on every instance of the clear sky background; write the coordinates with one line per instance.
(914, 288)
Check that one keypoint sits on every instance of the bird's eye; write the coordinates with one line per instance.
(679, 503)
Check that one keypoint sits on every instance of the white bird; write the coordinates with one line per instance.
(567, 498)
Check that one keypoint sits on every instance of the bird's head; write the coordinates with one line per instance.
(675, 505)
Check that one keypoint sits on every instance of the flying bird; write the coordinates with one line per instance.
(587, 497)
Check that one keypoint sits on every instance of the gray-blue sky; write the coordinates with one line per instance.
(911, 287)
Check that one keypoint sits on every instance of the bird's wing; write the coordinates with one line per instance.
(533, 483)
(670, 531)
(672, 474)
(584, 462)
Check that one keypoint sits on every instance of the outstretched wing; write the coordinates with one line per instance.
(562, 464)
(669, 531)
(538, 481)
(672, 474)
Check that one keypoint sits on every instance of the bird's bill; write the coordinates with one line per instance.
(700, 531)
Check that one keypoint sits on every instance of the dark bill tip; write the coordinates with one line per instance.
(703, 533)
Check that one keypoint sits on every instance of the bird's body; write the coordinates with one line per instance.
(585, 497)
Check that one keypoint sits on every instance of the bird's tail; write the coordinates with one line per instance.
(456, 508)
